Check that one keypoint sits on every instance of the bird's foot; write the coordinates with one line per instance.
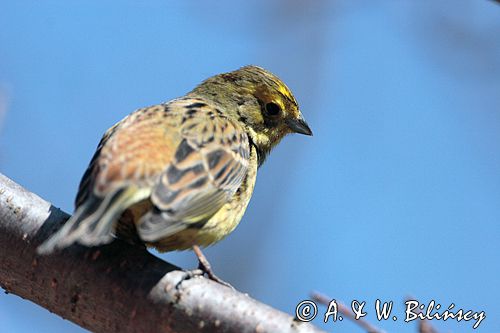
(205, 268)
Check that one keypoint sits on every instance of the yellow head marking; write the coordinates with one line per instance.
(285, 91)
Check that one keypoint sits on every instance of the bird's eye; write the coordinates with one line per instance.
(273, 109)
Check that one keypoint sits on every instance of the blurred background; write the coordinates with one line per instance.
(396, 194)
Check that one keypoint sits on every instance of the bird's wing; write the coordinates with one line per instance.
(186, 156)
(209, 164)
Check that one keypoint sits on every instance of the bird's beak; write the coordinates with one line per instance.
(299, 125)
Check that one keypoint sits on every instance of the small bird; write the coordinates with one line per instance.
(180, 175)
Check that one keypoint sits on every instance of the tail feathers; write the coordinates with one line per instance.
(70, 231)
(93, 222)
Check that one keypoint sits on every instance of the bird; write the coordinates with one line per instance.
(179, 175)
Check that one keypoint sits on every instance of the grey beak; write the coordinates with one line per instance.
(299, 126)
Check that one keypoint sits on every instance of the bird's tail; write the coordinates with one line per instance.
(94, 220)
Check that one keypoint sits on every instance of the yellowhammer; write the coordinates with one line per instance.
(182, 172)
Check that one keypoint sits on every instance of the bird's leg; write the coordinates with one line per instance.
(206, 268)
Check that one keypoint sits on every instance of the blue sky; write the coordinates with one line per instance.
(396, 194)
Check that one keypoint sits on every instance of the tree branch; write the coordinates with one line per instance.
(116, 287)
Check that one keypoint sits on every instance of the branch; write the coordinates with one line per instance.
(116, 287)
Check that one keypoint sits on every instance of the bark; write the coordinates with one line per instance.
(116, 287)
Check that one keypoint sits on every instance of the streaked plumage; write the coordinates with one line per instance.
(183, 172)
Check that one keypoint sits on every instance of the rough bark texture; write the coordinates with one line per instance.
(117, 287)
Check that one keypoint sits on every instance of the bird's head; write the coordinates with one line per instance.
(260, 101)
